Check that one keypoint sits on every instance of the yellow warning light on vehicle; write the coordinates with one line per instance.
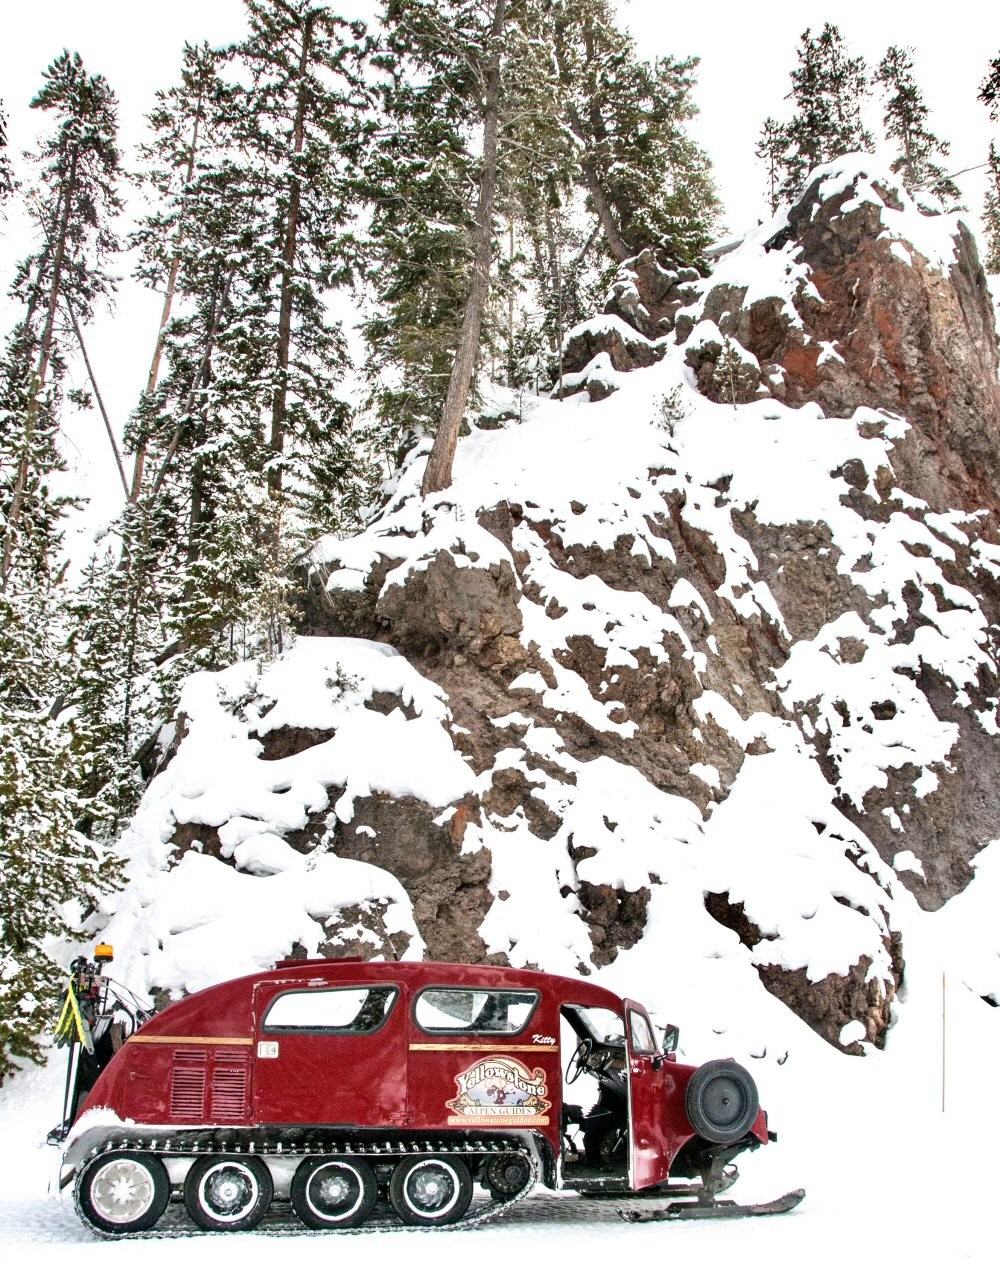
(104, 951)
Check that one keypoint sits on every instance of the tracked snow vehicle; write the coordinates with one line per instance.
(383, 1093)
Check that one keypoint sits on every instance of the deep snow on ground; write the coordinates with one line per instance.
(893, 1185)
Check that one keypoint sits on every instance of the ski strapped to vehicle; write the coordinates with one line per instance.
(377, 1152)
(707, 1207)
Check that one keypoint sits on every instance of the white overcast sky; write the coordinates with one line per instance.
(746, 51)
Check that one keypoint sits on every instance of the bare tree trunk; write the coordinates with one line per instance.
(621, 250)
(555, 268)
(511, 361)
(437, 476)
(38, 381)
(279, 402)
(168, 304)
(197, 513)
(100, 399)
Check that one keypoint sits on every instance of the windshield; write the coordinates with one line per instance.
(601, 1025)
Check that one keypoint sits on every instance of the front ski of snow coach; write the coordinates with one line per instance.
(353, 1088)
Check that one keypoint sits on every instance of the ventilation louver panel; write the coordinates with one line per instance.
(188, 1079)
(230, 1080)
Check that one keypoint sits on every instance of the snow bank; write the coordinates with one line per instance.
(181, 927)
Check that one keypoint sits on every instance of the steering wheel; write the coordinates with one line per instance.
(578, 1062)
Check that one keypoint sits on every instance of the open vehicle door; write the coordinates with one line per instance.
(649, 1153)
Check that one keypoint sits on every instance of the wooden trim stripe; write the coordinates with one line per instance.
(188, 1039)
(516, 1049)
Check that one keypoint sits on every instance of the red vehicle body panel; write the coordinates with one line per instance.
(209, 1061)
(344, 1080)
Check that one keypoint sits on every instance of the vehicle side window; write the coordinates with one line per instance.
(641, 1035)
(357, 1010)
(460, 1011)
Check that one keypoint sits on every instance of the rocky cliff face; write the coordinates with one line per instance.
(689, 679)
(855, 298)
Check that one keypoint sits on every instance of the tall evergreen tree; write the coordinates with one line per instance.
(646, 179)
(301, 124)
(540, 87)
(426, 183)
(920, 151)
(418, 181)
(828, 91)
(244, 445)
(483, 34)
(185, 122)
(772, 148)
(72, 204)
(991, 213)
(51, 871)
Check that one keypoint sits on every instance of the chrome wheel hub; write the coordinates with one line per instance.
(122, 1191)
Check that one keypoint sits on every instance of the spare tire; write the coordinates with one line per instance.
(721, 1101)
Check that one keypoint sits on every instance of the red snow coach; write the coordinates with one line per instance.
(388, 1091)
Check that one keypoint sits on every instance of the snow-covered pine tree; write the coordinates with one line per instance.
(185, 122)
(557, 256)
(417, 181)
(772, 148)
(920, 151)
(646, 179)
(6, 174)
(51, 873)
(828, 91)
(989, 92)
(204, 429)
(112, 704)
(565, 270)
(249, 446)
(182, 246)
(71, 202)
(301, 124)
(991, 213)
(476, 37)
(554, 88)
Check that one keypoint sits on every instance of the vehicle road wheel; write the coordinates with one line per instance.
(120, 1194)
(430, 1190)
(505, 1176)
(228, 1192)
(721, 1101)
(331, 1192)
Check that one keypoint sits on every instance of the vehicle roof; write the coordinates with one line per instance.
(228, 1005)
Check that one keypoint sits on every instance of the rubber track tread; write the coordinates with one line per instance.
(384, 1150)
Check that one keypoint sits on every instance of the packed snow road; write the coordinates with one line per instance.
(886, 1185)
(835, 1230)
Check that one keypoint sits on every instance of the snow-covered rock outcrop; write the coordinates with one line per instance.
(695, 694)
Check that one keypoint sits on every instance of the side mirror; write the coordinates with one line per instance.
(671, 1035)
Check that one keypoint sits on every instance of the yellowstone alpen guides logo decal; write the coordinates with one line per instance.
(500, 1091)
